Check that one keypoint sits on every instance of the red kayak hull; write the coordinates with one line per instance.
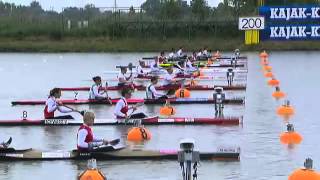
(146, 121)
(143, 88)
(236, 101)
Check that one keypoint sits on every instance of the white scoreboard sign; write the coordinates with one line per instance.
(251, 23)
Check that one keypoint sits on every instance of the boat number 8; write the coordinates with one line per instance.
(24, 114)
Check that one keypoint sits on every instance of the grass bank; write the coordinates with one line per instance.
(102, 44)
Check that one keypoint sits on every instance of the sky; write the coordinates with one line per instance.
(59, 4)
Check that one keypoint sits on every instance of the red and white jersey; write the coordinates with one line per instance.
(121, 108)
(85, 136)
(52, 106)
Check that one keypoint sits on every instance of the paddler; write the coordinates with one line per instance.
(237, 53)
(189, 67)
(219, 98)
(205, 52)
(154, 66)
(180, 52)
(122, 107)
(52, 105)
(86, 141)
(139, 69)
(151, 91)
(230, 76)
(169, 78)
(96, 92)
(171, 54)
(162, 58)
(124, 79)
(181, 68)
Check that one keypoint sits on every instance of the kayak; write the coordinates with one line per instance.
(220, 58)
(204, 70)
(163, 88)
(236, 101)
(208, 66)
(146, 121)
(117, 153)
(197, 78)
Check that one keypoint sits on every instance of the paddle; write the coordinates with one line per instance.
(134, 109)
(80, 112)
(107, 147)
(114, 142)
(108, 98)
(7, 144)
(149, 58)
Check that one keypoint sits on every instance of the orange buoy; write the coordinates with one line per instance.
(209, 62)
(264, 54)
(92, 173)
(290, 137)
(182, 93)
(273, 82)
(285, 110)
(267, 68)
(167, 111)
(278, 94)
(268, 74)
(306, 173)
(138, 134)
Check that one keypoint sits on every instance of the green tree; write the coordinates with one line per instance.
(152, 7)
(200, 9)
(171, 9)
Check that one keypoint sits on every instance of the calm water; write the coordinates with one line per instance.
(30, 76)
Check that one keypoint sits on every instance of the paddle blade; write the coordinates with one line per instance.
(82, 112)
(114, 142)
(6, 144)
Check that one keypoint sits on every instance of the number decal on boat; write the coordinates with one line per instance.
(189, 120)
(56, 121)
(165, 120)
(13, 155)
(227, 150)
(55, 155)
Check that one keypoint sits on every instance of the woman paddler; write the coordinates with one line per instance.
(169, 78)
(86, 141)
(96, 92)
(122, 107)
(52, 105)
(162, 58)
(151, 91)
(139, 69)
(123, 79)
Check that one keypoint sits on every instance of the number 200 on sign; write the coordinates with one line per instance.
(251, 23)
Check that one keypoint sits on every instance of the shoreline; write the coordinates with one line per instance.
(103, 45)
